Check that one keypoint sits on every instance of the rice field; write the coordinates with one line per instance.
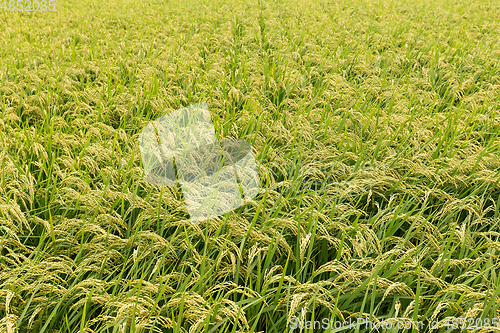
(375, 125)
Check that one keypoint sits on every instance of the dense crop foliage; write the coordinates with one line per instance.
(376, 125)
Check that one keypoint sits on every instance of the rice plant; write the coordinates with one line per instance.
(376, 129)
